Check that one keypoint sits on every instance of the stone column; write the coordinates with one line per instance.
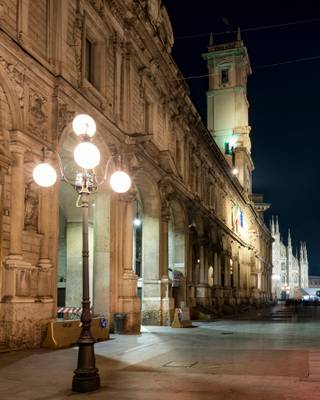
(23, 21)
(202, 263)
(45, 265)
(17, 202)
(226, 271)
(164, 229)
(167, 301)
(15, 258)
(216, 270)
(202, 286)
(118, 55)
(17, 272)
(128, 299)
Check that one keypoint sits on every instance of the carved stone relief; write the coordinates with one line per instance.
(31, 202)
(65, 116)
(17, 78)
(38, 114)
(98, 6)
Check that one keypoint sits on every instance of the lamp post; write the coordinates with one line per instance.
(86, 376)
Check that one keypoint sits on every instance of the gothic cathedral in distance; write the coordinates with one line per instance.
(290, 271)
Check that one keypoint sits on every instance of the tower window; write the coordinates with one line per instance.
(224, 76)
(228, 149)
(89, 61)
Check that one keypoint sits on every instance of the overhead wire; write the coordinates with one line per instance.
(297, 60)
(256, 28)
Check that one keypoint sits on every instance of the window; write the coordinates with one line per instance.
(241, 219)
(227, 149)
(88, 70)
(224, 76)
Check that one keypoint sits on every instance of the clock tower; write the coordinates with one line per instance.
(227, 105)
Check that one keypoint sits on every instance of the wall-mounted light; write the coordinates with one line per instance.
(235, 171)
(137, 220)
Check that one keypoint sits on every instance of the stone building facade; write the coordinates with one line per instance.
(290, 270)
(188, 232)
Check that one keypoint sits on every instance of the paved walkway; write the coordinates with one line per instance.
(260, 357)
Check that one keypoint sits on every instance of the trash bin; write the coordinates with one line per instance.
(119, 320)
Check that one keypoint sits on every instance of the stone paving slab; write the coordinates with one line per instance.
(166, 364)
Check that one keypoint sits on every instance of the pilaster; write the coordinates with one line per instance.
(128, 299)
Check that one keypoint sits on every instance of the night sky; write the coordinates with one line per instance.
(284, 100)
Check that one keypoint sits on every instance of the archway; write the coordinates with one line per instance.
(149, 200)
(69, 270)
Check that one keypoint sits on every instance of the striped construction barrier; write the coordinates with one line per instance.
(69, 310)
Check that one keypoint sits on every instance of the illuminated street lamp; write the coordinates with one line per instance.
(87, 155)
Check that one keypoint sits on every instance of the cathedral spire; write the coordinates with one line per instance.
(289, 239)
(272, 225)
(277, 226)
(305, 253)
(301, 257)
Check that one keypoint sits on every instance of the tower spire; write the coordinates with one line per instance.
(238, 34)
(277, 225)
(211, 39)
(301, 253)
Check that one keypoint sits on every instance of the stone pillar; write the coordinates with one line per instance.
(128, 299)
(227, 271)
(167, 301)
(23, 21)
(17, 272)
(17, 201)
(45, 265)
(202, 264)
(202, 287)
(118, 59)
(164, 228)
(216, 270)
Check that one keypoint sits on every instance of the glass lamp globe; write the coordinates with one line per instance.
(44, 175)
(120, 182)
(86, 155)
(83, 124)
(137, 222)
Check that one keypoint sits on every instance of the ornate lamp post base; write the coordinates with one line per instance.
(86, 378)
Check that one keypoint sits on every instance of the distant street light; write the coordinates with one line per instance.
(87, 156)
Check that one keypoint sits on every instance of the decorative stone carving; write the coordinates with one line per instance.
(31, 202)
(38, 115)
(65, 116)
(98, 6)
(77, 38)
(165, 189)
(16, 76)
(154, 12)
(165, 31)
